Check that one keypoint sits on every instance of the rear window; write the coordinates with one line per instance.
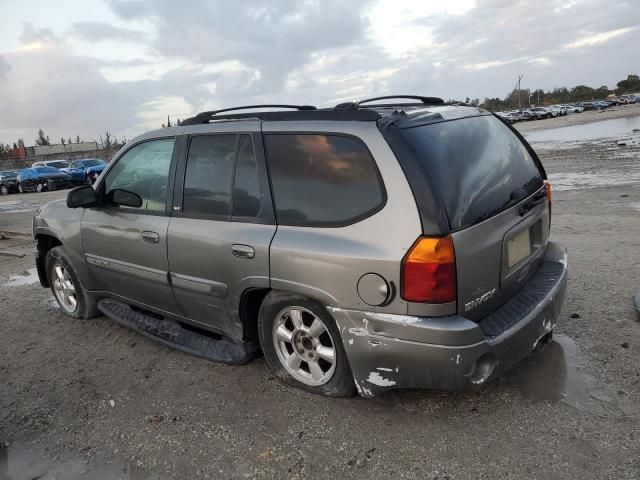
(478, 166)
(322, 180)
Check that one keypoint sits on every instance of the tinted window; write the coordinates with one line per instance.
(93, 163)
(60, 164)
(246, 192)
(76, 165)
(134, 173)
(322, 179)
(207, 183)
(477, 164)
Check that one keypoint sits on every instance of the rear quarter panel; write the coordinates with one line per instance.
(327, 263)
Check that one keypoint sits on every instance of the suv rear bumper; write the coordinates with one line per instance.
(451, 353)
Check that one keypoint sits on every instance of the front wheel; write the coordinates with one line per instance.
(302, 345)
(66, 286)
(20, 188)
(4, 190)
(40, 187)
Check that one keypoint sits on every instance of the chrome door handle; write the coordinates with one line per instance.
(150, 237)
(242, 251)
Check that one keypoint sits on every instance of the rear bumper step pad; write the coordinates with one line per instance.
(173, 334)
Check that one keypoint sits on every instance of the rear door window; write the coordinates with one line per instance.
(477, 164)
(246, 190)
(322, 180)
(207, 184)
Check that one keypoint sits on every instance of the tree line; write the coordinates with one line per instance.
(580, 93)
(109, 142)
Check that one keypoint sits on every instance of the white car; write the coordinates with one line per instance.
(61, 165)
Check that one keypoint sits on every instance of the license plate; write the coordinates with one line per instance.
(518, 247)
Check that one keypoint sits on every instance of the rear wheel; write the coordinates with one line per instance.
(66, 286)
(40, 187)
(302, 345)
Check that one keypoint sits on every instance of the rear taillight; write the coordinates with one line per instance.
(547, 188)
(429, 271)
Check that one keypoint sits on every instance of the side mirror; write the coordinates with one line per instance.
(83, 197)
(125, 198)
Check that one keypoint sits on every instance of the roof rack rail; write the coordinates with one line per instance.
(423, 100)
(250, 107)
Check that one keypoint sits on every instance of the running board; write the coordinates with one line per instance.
(173, 334)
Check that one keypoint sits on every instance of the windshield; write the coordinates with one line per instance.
(93, 163)
(9, 174)
(60, 164)
(478, 165)
(46, 170)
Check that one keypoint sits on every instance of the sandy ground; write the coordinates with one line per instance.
(91, 399)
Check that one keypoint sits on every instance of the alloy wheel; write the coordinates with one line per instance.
(304, 346)
(4, 190)
(64, 289)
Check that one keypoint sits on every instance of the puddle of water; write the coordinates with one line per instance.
(28, 277)
(556, 372)
(19, 463)
(579, 180)
(587, 131)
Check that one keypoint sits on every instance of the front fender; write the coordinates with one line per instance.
(57, 221)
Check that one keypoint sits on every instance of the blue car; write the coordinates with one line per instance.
(86, 170)
(39, 179)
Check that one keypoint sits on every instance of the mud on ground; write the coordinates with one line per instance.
(92, 399)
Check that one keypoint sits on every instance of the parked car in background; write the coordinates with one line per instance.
(590, 106)
(507, 117)
(39, 179)
(561, 109)
(86, 170)
(574, 108)
(523, 115)
(61, 165)
(543, 112)
(8, 183)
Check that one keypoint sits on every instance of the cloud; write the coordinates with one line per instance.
(99, 31)
(4, 67)
(272, 39)
(178, 58)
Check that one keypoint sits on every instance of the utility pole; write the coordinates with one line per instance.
(519, 101)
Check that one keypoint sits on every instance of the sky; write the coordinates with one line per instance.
(81, 67)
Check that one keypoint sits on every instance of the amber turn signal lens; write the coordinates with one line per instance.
(429, 271)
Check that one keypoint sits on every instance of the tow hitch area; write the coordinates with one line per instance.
(173, 334)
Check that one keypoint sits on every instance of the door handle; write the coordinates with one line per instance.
(150, 237)
(243, 251)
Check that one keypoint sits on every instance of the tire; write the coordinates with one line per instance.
(88, 180)
(4, 190)
(40, 188)
(20, 189)
(59, 273)
(278, 310)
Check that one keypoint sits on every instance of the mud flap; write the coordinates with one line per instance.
(173, 334)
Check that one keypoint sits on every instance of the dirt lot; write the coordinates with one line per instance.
(90, 399)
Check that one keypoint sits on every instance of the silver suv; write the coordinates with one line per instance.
(397, 245)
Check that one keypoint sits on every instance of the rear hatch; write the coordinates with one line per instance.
(493, 191)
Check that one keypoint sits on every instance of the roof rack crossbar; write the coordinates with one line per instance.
(424, 100)
(250, 107)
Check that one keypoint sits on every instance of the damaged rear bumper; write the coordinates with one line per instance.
(388, 352)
